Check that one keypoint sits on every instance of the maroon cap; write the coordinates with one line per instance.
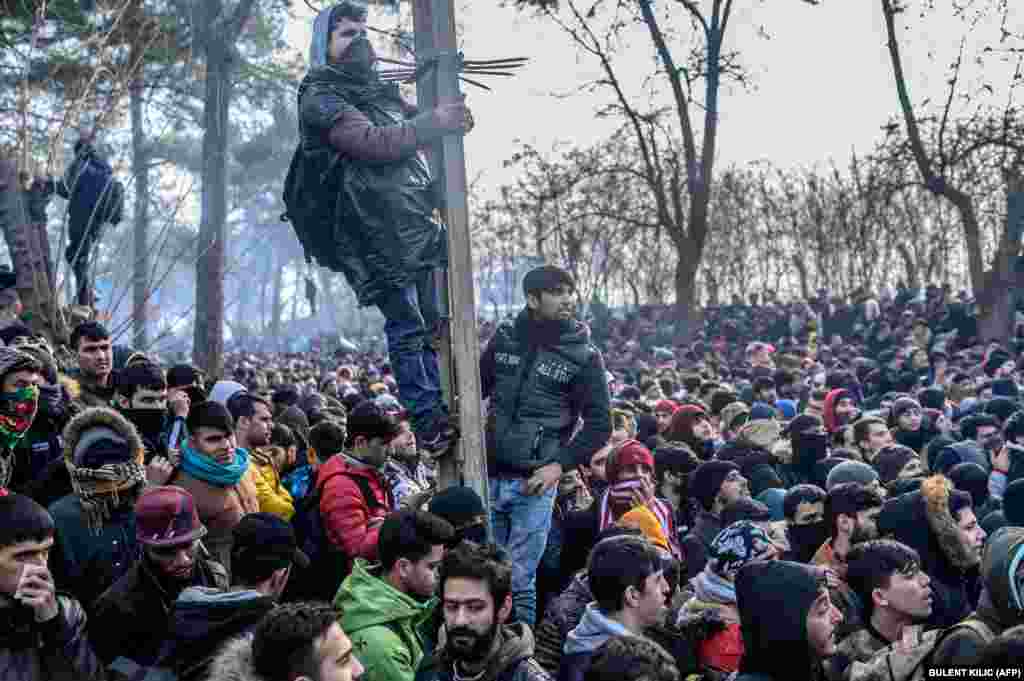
(167, 516)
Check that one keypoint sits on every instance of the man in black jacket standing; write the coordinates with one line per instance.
(542, 375)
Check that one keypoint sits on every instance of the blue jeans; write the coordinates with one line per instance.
(412, 317)
(521, 525)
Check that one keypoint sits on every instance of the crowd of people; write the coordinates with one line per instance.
(742, 506)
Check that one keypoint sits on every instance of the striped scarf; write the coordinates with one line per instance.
(106, 489)
(621, 493)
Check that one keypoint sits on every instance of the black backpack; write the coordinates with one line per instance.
(328, 565)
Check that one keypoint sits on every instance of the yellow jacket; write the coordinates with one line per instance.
(273, 496)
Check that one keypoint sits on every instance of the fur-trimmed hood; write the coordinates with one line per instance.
(234, 662)
(96, 417)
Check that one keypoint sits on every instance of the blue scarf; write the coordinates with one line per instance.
(711, 588)
(206, 469)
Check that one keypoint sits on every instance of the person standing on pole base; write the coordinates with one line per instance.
(542, 375)
(361, 199)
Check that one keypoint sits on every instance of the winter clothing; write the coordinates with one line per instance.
(345, 511)
(213, 472)
(234, 662)
(851, 471)
(925, 521)
(511, 661)
(735, 546)
(223, 391)
(860, 646)
(543, 376)
(560, 617)
(1001, 605)
(204, 619)
(967, 451)
(383, 623)
(841, 595)
(697, 543)
(272, 494)
(405, 483)
(891, 461)
(144, 599)
(773, 599)
(707, 481)
(58, 650)
(831, 419)
(593, 630)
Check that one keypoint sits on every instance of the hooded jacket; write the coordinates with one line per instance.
(373, 203)
(590, 634)
(1001, 606)
(773, 599)
(82, 562)
(57, 650)
(344, 509)
(828, 411)
(541, 378)
(203, 620)
(142, 599)
(383, 624)
(561, 617)
(922, 520)
(511, 660)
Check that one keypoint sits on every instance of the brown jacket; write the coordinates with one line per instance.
(220, 509)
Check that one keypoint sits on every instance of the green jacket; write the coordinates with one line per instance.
(383, 624)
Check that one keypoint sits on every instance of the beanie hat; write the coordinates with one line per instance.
(460, 506)
(996, 358)
(851, 471)
(787, 408)
(973, 479)
(932, 398)
(900, 407)
(762, 411)
(211, 414)
(98, 447)
(891, 460)
(707, 481)
(761, 433)
(1013, 503)
(1002, 408)
(628, 453)
(773, 498)
(738, 544)
(1005, 387)
(644, 519)
(167, 516)
(731, 413)
(665, 406)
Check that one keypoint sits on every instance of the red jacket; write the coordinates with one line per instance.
(345, 510)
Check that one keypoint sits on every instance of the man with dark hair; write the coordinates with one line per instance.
(295, 642)
(42, 634)
(542, 375)
(20, 376)
(168, 529)
(626, 576)
(764, 390)
(852, 511)
(253, 420)
(628, 658)
(91, 342)
(218, 475)
(871, 435)
(806, 528)
(476, 601)
(715, 484)
(383, 606)
(204, 619)
(887, 578)
(140, 393)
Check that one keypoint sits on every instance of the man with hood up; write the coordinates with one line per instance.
(479, 644)
(373, 190)
(1000, 607)
(787, 619)
(938, 522)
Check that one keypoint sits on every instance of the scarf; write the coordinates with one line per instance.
(101, 490)
(710, 588)
(17, 410)
(206, 469)
(621, 493)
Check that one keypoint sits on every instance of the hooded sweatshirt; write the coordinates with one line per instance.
(773, 599)
(203, 619)
(1002, 603)
(590, 634)
(383, 624)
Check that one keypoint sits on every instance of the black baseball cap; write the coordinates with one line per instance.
(370, 420)
(266, 540)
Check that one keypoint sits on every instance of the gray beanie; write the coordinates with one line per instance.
(851, 471)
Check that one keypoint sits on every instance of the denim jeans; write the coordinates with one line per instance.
(521, 525)
(412, 316)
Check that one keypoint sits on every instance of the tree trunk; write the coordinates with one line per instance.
(277, 305)
(140, 162)
(208, 350)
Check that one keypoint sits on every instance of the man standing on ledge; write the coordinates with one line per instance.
(542, 375)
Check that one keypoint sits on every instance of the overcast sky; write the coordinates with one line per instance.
(823, 81)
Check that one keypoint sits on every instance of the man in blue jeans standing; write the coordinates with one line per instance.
(542, 375)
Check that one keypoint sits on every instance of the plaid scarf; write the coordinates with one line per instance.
(106, 489)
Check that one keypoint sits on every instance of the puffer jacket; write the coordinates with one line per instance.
(560, 617)
(1001, 606)
(383, 623)
(57, 650)
(345, 510)
(273, 496)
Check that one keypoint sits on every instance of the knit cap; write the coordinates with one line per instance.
(458, 505)
(707, 481)
(762, 411)
(891, 461)
(644, 520)
(731, 413)
(851, 471)
(901, 407)
(738, 544)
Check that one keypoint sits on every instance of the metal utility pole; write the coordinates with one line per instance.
(466, 464)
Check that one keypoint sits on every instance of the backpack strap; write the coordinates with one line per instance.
(362, 483)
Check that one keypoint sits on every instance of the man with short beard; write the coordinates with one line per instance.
(852, 512)
(168, 529)
(476, 600)
(91, 342)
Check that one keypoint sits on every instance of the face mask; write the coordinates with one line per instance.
(360, 55)
(149, 422)
(805, 540)
(809, 448)
(17, 410)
